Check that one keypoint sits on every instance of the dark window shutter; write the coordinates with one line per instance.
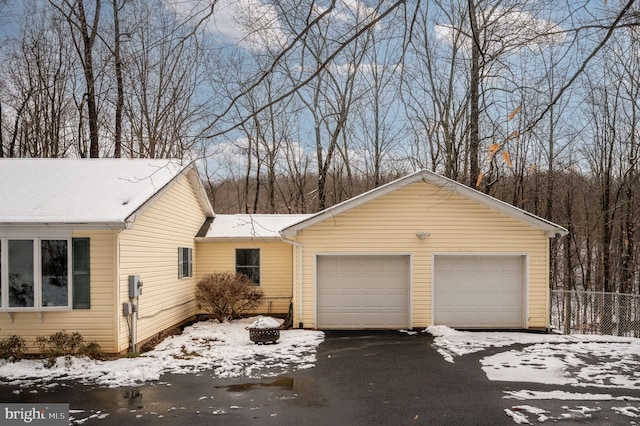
(81, 274)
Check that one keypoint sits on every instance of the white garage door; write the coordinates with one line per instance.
(362, 292)
(479, 291)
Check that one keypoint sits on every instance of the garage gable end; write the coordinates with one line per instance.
(549, 228)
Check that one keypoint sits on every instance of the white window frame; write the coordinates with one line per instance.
(182, 261)
(37, 272)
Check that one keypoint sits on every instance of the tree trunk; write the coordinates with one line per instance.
(88, 38)
(117, 152)
(474, 99)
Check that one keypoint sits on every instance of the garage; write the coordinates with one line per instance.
(479, 291)
(362, 291)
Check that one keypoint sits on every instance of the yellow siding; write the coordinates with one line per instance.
(150, 249)
(95, 324)
(275, 268)
(456, 224)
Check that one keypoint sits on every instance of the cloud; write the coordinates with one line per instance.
(507, 29)
(350, 11)
(231, 157)
(251, 24)
(367, 68)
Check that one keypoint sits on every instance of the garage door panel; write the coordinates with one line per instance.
(470, 266)
(509, 283)
(399, 300)
(484, 299)
(479, 291)
(487, 265)
(466, 284)
(377, 282)
(362, 291)
(396, 267)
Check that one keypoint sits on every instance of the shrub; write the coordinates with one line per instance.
(12, 348)
(67, 345)
(92, 350)
(228, 295)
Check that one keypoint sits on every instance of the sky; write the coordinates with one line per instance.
(227, 27)
(230, 16)
(608, 363)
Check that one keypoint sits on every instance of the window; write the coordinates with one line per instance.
(248, 263)
(185, 262)
(55, 272)
(21, 277)
(37, 273)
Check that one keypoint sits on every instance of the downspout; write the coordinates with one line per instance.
(299, 246)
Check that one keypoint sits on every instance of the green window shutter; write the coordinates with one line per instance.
(81, 273)
(190, 252)
(180, 262)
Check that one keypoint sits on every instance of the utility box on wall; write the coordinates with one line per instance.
(135, 286)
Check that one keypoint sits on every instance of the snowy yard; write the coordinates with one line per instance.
(225, 348)
(580, 361)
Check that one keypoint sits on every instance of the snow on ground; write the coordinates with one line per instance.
(453, 343)
(225, 348)
(552, 359)
(566, 396)
(519, 414)
(606, 365)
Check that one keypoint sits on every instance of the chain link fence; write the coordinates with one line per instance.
(595, 312)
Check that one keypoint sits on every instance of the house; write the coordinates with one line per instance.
(418, 251)
(73, 232)
(78, 236)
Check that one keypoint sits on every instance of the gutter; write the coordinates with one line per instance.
(300, 299)
(98, 225)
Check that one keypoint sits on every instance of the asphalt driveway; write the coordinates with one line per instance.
(360, 378)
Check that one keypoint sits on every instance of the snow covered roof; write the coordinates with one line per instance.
(96, 192)
(550, 228)
(250, 225)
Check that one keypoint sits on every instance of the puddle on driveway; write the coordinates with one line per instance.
(283, 383)
(178, 399)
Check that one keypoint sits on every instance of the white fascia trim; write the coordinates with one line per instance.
(229, 239)
(89, 226)
(201, 193)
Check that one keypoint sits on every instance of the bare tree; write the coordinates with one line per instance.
(378, 125)
(434, 83)
(117, 61)
(161, 78)
(84, 33)
(38, 87)
(330, 96)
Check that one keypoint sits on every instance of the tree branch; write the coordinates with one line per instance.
(611, 28)
(304, 82)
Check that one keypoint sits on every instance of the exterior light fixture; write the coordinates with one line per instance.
(422, 235)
